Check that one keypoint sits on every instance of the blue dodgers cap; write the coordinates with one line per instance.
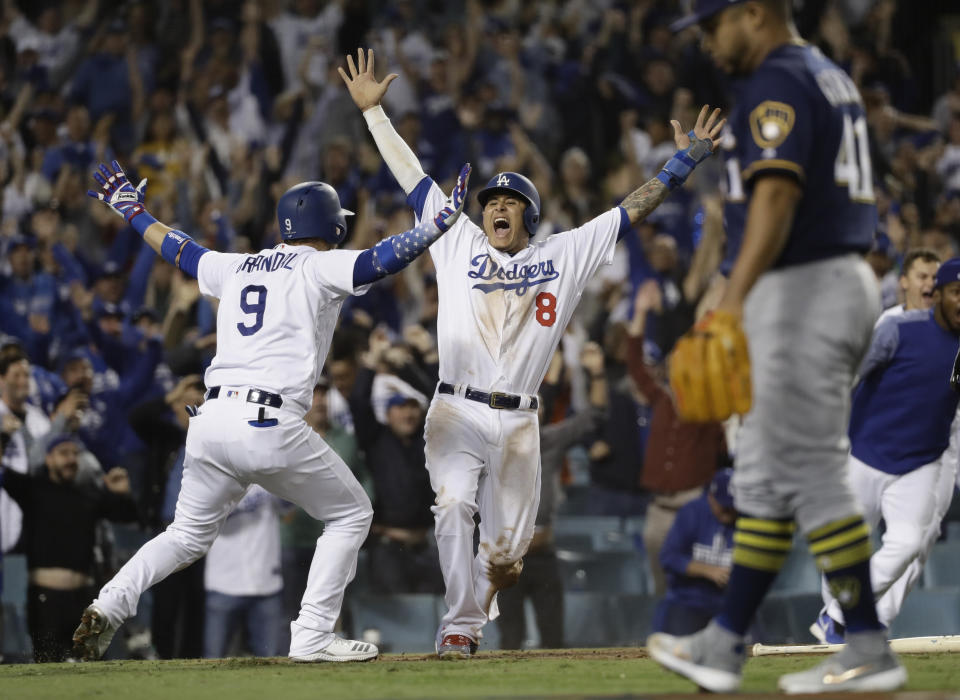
(948, 272)
(720, 488)
(701, 10)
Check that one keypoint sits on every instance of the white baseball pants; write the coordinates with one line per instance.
(907, 503)
(482, 460)
(224, 454)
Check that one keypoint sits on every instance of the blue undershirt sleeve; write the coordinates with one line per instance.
(190, 257)
(625, 225)
(418, 197)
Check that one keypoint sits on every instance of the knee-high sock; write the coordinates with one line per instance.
(842, 552)
(760, 547)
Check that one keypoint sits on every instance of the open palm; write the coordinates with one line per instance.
(705, 128)
(361, 81)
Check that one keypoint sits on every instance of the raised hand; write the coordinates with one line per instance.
(692, 148)
(706, 129)
(117, 481)
(118, 193)
(362, 83)
(450, 213)
(649, 297)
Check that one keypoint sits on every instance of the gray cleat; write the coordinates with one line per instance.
(864, 664)
(712, 658)
(93, 636)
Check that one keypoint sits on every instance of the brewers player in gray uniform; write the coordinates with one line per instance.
(802, 185)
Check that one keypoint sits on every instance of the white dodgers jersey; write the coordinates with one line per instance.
(278, 310)
(501, 316)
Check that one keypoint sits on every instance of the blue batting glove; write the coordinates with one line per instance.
(448, 216)
(118, 193)
(678, 168)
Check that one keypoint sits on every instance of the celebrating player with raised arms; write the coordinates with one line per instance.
(504, 304)
(276, 317)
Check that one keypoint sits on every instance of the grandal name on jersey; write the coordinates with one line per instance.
(267, 263)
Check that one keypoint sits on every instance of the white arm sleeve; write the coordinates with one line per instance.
(402, 161)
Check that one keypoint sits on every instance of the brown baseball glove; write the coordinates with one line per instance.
(710, 370)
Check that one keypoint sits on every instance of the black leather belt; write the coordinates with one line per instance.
(494, 399)
(264, 398)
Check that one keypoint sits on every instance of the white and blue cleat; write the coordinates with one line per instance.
(826, 629)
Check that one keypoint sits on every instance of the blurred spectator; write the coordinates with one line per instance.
(882, 260)
(403, 558)
(243, 579)
(27, 298)
(616, 452)
(697, 555)
(916, 281)
(60, 519)
(177, 616)
(108, 83)
(680, 457)
(21, 425)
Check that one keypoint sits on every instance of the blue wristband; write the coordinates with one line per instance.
(676, 170)
(142, 221)
(173, 240)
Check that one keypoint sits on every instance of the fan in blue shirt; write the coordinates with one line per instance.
(697, 556)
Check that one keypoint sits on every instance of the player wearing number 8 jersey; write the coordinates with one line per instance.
(275, 320)
(504, 304)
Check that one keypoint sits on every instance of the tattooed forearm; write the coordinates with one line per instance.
(644, 200)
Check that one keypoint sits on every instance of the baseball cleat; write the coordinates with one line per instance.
(93, 636)
(848, 670)
(456, 646)
(341, 650)
(712, 658)
(827, 630)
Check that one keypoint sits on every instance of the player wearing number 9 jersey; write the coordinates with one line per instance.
(276, 317)
(503, 306)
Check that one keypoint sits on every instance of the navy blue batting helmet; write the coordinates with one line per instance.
(517, 184)
(312, 210)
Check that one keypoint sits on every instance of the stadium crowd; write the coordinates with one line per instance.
(224, 104)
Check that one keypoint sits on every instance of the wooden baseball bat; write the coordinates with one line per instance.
(907, 645)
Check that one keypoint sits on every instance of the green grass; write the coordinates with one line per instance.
(599, 672)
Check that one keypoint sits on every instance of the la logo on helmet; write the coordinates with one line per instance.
(503, 180)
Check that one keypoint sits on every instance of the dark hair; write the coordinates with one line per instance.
(10, 355)
(924, 254)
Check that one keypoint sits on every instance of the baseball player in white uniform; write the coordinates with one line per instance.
(276, 317)
(504, 304)
(903, 461)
